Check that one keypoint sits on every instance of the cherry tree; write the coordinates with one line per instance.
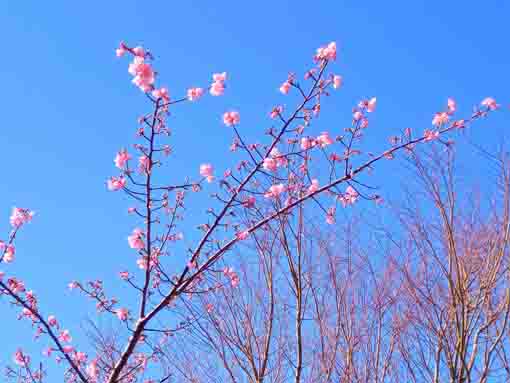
(260, 197)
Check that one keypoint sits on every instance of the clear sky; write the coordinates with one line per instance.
(68, 104)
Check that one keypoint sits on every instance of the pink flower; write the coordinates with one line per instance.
(430, 135)
(314, 186)
(68, 349)
(139, 52)
(80, 357)
(222, 77)
(490, 103)
(452, 106)
(249, 202)
(135, 240)
(20, 216)
(337, 81)
(206, 171)
(231, 118)
(92, 370)
(122, 314)
(65, 336)
(307, 143)
(218, 85)
(144, 164)
(121, 50)
(52, 321)
(116, 183)
(230, 273)
(350, 196)
(209, 307)
(21, 359)
(121, 158)
(285, 87)
(330, 216)
(162, 93)
(242, 235)
(326, 53)
(217, 88)
(73, 285)
(143, 73)
(324, 139)
(371, 104)
(9, 254)
(357, 115)
(276, 112)
(440, 119)
(270, 164)
(124, 275)
(195, 93)
(281, 160)
(275, 191)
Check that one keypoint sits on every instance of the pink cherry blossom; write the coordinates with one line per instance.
(80, 357)
(249, 202)
(206, 171)
(430, 135)
(73, 285)
(20, 216)
(326, 53)
(65, 336)
(92, 370)
(231, 118)
(337, 81)
(122, 314)
(357, 115)
(121, 158)
(276, 112)
(270, 164)
(490, 103)
(220, 77)
(452, 106)
(285, 88)
(139, 52)
(161, 93)
(15, 285)
(121, 50)
(324, 139)
(144, 164)
(349, 197)
(143, 73)
(330, 215)
(194, 93)
(124, 275)
(440, 119)
(218, 86)
(9, 254)
(281, 160)
(68, 349)
(371, 104)
(242, 235)
(314, 186)
(116, 183)
(21, 359)
(275, 191)
(307, 143)
(135, 240)
(52, 321)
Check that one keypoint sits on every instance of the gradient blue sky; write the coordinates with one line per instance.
(68, 104)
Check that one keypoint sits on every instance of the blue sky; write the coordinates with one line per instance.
(68, 104)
